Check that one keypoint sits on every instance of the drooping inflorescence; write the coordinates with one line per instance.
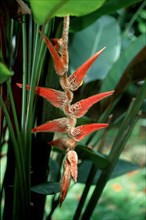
(62, 99)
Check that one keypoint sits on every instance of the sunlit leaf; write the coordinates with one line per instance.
(110, 6)
(98, 35)
(42, 9)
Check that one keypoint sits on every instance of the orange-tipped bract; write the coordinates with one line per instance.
(75, 80)
(65, 181)
(73, 160)
(55, 97)
(80, 108)
(57, 125)
(69, 171)
(60, 67)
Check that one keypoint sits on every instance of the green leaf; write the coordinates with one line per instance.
(110, 6)
(88, 41)
(122, 167)
(47, 188)
(43, 10)
(98, 159)
(114, 75)
(5, 73)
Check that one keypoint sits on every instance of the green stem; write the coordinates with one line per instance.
(24, 78)
(17, 144)
(14, 111)
(39, 52)
(30, 49)
(29, 115)
(38, 59)
(28, 123)
(18, 134)
(17, 156)
(25, 132)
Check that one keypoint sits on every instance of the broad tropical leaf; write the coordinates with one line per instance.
(42, 9)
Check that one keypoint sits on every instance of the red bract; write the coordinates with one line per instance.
(55, 97)
(69, 171)
(20, 86)
(82, 131)
(57, 42)
(73, 159)
(65, 181)
(80, 108)
(57, 125)
(75, 80)
(60, 67)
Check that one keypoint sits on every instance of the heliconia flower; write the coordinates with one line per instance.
(55, 97)
(59, 65)
(75, 79)
(69, 171)
(63, 143)
(80, 108)
(56, 125)
(82, 131)
(62, 99)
